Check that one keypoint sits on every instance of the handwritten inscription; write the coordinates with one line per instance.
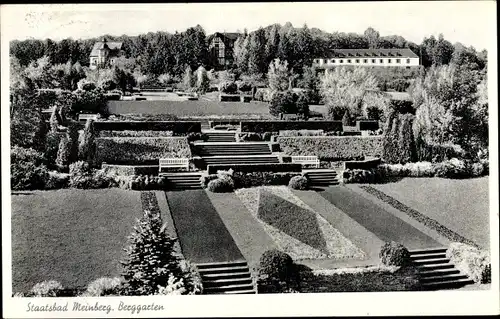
(95, 307)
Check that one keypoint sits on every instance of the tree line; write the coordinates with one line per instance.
(157, 53)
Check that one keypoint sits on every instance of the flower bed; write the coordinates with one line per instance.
(136, 150)
(332, 147)
(337, 246)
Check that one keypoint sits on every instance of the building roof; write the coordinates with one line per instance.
(113, 46)
(225, 36)
(368, 53)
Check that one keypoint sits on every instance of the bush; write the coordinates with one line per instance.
(277, 272)
(81, 175)
(63, 154)
(283, 102)
(87, 145)
(255, 137)
(57, 180)
(128, 133)
(471, 261)
(221, 185)
(104, 287)
(453, 168)
(359, 176)
(244, 86)
(197, 137)
(27, 170)
(228, 87)
(298, 182)
(52, 141)
(205, 179)
(192, 278)
(140, 150)
(394, 254)
(48, 288)
(147, 182)
(86, 85)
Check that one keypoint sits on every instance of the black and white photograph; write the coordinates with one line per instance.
(293, 158)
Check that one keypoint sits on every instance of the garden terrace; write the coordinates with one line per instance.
(276, 126)
(186, 108)
(177, 127)
(140, 150)
(72, 236)
(332, 147)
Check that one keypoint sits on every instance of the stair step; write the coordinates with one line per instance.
(431, 261)
(443, 278)
(428, 251)
(242, 274)
(221, 264)
(437, 272)
(235, 292)
(429, 267)
(229, 288)
(216, 270)
(447, 284)
(227, 281)
(428, 256)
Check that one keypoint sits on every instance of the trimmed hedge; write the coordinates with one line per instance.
(254, 179)
(299, 182)
(129, 133)
(131, 169)
(248, 168)
(366, 125)
(177, 127)
(276, 126)
(362, 164)
(140, 150)
(332, 147)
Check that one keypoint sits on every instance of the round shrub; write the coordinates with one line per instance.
(48, 288)
(477, 169)
(298, 182)
(277, 271)
(394, 254)
(104, 287)
(221, 185)
(26, 169)
(205, 179)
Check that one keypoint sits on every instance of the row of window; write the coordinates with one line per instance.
(373, 61)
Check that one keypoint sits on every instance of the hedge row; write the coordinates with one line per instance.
(332, 147)
(254, 179)
(131, 169)
(276, 126)
(177, 127)
(140, 150)
(248, 168)
(129, 133)
(363, 164)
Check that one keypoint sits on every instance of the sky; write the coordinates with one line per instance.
(469, 22)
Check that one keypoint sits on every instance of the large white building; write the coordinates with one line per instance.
(368, 57)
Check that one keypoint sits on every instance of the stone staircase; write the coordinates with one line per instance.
(220, 136)
(436, 271)
(231, 149)
(227, 278)
(179, 181)
(321, 177)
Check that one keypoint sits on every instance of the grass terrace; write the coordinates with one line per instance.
(187, 108)
(69, 235)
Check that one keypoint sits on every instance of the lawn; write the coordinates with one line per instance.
(202, 234)
(72, 236)
(461, 205)
(187, 108)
